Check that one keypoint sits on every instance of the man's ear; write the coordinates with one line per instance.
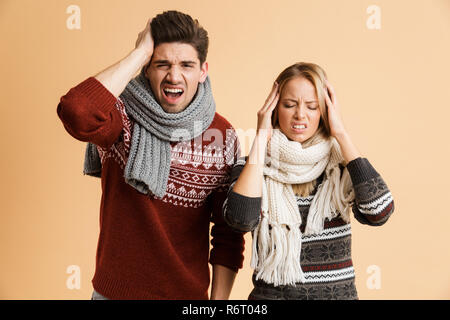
(204, 72)
(146, 69)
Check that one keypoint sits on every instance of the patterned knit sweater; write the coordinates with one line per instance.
(326, 257)
(151, 248)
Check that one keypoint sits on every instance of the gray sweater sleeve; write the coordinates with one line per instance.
(240, 212)
(373, 200)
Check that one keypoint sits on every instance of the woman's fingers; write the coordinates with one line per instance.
(265, 113)
(327, 98)
(332, 93)
(274, 103)
(330, 96)
(271, 97)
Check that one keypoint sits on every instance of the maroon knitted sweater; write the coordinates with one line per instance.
(155, 248)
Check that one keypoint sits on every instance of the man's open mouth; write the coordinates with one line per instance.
(173, 93)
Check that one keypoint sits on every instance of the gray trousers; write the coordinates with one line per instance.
(98, 296)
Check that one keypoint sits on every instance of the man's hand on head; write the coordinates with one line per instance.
(116, 77)
(144, 42)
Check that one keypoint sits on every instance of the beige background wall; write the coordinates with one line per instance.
(392, 84)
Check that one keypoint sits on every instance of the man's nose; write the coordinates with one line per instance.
(174, 75)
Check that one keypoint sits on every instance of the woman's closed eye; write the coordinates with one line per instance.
(310, 107)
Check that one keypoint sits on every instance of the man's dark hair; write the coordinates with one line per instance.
(174, 26)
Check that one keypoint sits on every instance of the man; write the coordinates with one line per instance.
(164, 157)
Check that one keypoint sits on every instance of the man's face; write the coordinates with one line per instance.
(174, 73)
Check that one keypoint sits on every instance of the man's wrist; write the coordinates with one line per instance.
(141, 56)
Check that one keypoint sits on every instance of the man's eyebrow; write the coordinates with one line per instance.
(161, 61)
(188, 62)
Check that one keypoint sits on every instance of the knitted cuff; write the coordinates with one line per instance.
(361, 170)
(242, 212)
(95, 92)
(227, 261)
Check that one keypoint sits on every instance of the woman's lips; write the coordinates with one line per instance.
(298, 129)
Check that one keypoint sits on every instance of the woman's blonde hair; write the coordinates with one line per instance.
(317, 76)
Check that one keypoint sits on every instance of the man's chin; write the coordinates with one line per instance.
(173, 108)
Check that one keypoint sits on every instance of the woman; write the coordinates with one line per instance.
(296, 188)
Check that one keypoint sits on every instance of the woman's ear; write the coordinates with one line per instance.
(275, 116)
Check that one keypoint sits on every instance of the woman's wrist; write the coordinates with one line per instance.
(341, 136)
(258, 151)
(348, 149)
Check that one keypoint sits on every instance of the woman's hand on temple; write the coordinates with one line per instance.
(348, 149)
(250, 180)
(264, 127)
(337, 128)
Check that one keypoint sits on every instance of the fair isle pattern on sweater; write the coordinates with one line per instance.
(120, 150)
(325, 258)
(194, 173)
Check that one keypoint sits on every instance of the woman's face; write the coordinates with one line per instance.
(298, 110)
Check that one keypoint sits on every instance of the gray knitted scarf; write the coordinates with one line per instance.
(148, 164)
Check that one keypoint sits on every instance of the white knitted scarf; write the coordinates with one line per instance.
(277, 240)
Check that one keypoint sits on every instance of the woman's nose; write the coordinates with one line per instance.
(300, 111)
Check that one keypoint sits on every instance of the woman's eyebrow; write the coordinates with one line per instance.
(289, 99)
(293, 100)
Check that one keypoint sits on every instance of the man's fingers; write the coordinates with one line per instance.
(147, 26)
